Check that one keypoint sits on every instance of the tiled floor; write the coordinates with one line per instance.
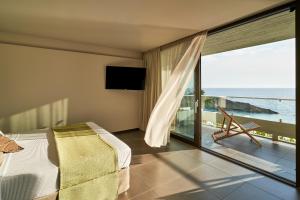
(180, 172)
(275, 157)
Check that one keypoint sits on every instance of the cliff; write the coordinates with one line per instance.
(211, 103)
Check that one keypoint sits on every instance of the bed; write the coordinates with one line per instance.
(33, 172)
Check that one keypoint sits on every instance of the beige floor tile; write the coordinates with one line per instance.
(216, 181)
(138, 160)
(231, 168)
(249, 192)
(137, 184)
(180, 172)
(179, 161)
(149, 195)
(182, 188)
(201, 156)
(156, 173)
(278, 189)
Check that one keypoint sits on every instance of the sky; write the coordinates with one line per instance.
(265, 66)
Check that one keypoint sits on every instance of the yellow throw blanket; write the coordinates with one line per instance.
(88, 165)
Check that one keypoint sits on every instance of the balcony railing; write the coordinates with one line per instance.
(280, 126)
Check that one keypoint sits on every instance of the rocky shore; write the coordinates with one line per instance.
(211, 104)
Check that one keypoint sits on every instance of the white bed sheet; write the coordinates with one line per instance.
(29, 173)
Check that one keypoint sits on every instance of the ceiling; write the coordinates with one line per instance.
(274, 28)
(136, 25)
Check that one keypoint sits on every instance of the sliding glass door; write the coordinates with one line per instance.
(250, 72)
(184, 123)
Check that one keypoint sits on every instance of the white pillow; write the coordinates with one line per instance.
(1, 134)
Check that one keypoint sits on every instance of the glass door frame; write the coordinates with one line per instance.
(197, 124)
(290, 6)
(197, 112)
(254, 168)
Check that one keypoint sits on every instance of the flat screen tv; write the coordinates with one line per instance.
(127, 78)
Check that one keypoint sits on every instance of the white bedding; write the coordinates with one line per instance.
(29, 173)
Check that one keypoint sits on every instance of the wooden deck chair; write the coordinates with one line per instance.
(234, 128)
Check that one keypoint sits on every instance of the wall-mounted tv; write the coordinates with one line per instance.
(128, 78)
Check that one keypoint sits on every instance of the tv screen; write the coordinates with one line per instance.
(130, 78)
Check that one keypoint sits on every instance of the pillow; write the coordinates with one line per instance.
(1, 153)
(8, 146)
(1, 158)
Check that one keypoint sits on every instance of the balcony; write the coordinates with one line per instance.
(277, 132)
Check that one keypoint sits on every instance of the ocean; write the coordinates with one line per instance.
(286, 107)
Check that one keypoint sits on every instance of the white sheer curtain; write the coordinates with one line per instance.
(157, 131)
(160, 64)
(170, 58)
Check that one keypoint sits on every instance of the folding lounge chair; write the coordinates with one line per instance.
(234, 128)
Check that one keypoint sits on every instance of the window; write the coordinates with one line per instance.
(249, 71)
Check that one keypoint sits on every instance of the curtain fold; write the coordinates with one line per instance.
(153, 87)
(160, 64)
(164, 111)
(170, 58)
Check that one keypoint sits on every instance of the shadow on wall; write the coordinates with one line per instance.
(48, 115)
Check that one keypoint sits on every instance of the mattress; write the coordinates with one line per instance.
(30, 173)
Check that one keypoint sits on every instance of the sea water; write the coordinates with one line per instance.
(284, 103)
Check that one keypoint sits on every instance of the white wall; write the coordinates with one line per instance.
(42, 86)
